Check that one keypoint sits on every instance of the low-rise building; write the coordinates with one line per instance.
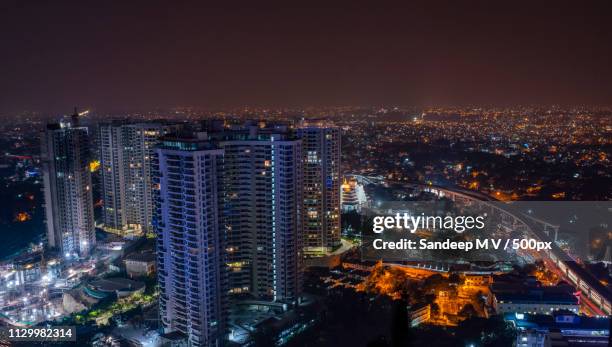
(526, 295)
(535, 301)
(560, 329)
(121, 287)
(419, 314)
(140, 264)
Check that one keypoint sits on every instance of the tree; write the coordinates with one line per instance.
(480, 300)
(455, 278)
(435, 308)
(468, 311)
(494, 331)
(435, 282)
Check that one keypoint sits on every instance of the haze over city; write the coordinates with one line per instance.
(139, 55)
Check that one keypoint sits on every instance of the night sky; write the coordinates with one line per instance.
(127, 55)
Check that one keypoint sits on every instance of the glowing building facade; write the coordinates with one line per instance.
(228, 220)
(321, 157)
(263, 185)
(126, 153)
(67, 188)
(190, 241)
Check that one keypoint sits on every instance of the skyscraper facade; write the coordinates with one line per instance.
(263, 185)
(190, 240)
(228, 220)
(321, 156)
(67, 188)
(126, 152)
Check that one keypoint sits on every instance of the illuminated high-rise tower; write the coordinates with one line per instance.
(126, 153)
(190, 240)
(263, 185)
(321, 155)
(67, 188)
(228, 220)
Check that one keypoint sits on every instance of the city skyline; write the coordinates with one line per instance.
(376, 174)
(253, 233)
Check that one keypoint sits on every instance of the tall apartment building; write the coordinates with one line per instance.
(126, 153)
(190, 240)
(228, 220)
(321, 151)
(67, 188)
(263, 186)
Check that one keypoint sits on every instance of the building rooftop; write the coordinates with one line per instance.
(560, 321)
(104, 287)
(146, 256)
(537, 296)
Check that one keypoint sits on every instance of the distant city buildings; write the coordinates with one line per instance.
(352, 196)
(236, 208)
(321, 151)
(126, 153)
(67, 188)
